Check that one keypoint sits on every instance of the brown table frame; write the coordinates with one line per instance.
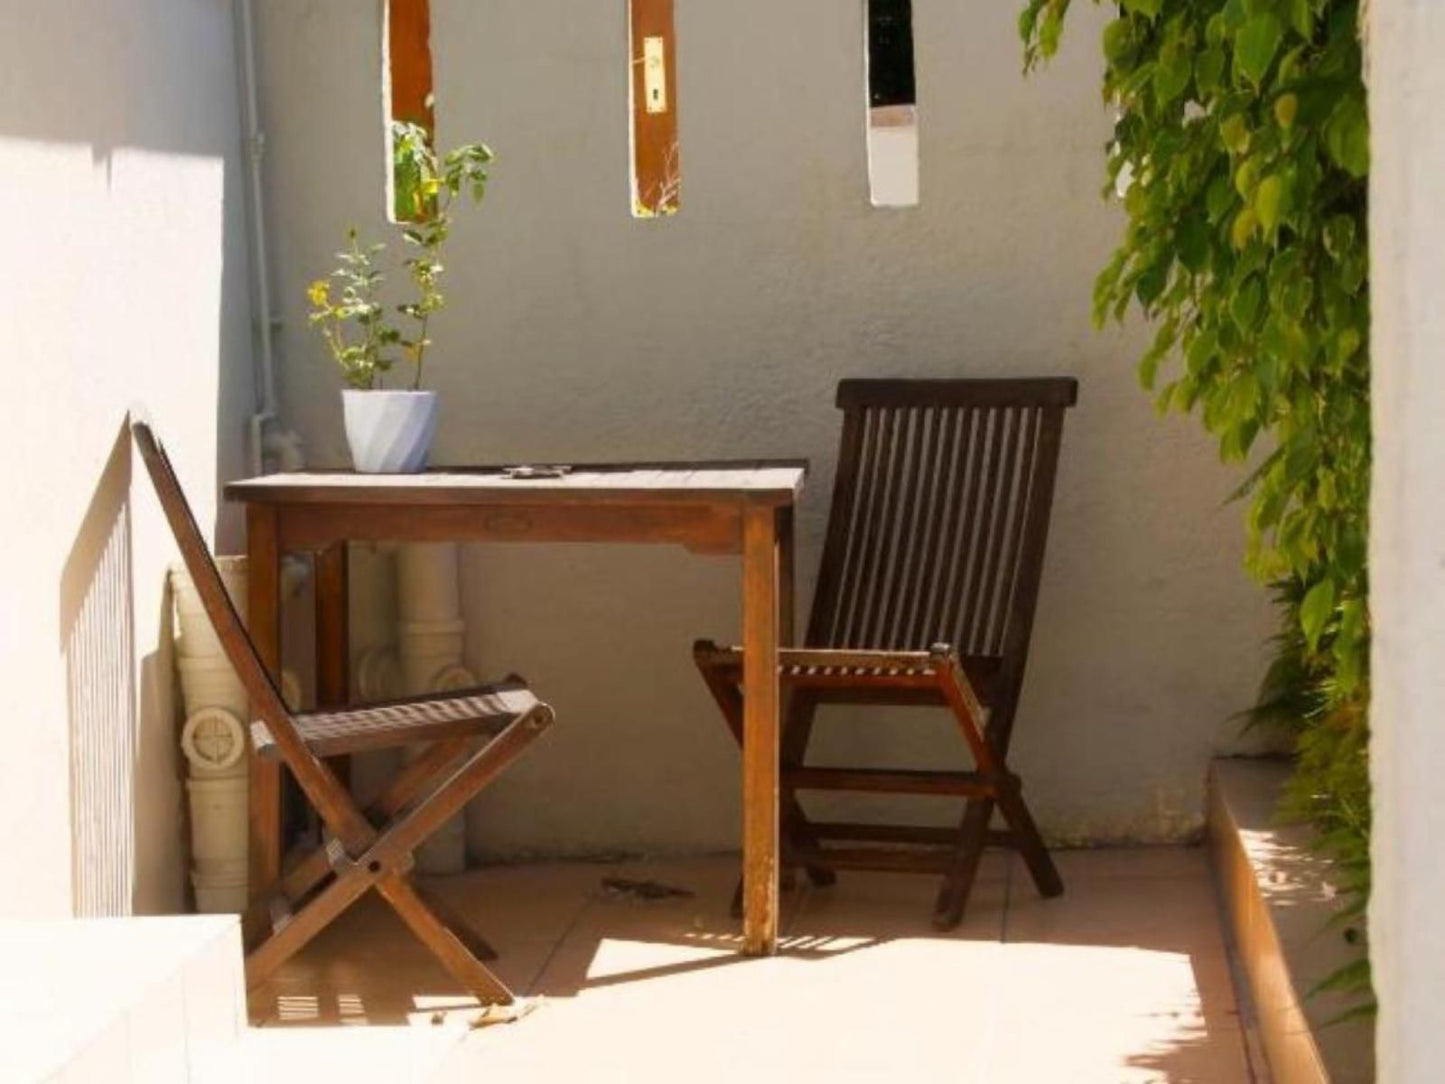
(320, 519)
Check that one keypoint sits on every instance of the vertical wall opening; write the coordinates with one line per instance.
(656, 163)
(892, 105)
(406, 76)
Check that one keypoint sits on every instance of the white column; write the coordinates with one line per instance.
(431, 636)
(375, 672)
(1406, 42)
(213, 739)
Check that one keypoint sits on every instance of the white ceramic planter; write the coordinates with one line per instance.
(390, 432)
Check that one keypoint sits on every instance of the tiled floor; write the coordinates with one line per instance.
(1124, 979)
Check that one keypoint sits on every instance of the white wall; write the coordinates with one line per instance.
(1407, 535)
(578, 333)
(122, 278)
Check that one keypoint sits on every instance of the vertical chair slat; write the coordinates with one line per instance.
(1034, 538)
(864, 521)
(837, 546)
(918, 629)
(871, 526)
(996, 529)
(902, 548)
(1007, 575)
(906, 598)
(967, 553)
(951, 525)
(897, 477)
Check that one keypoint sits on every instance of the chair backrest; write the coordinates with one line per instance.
(315, 778)
(939, 517)
(266, 701)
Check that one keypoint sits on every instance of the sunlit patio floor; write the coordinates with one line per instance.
(1123, 979)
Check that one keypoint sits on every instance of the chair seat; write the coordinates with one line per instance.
(480, 711)
(823, 668)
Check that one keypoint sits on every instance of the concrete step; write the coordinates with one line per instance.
(306, 1055)
(1280, 896)
(144, 1000)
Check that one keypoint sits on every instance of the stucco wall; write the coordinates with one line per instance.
(122, 278)
(578, 333)
(1407, 525)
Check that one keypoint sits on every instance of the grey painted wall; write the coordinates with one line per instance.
(578, 333)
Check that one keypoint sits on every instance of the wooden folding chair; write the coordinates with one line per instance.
(925, 596)
(369, 848)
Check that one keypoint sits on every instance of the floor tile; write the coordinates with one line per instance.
(1106, 862)
(1123, 979)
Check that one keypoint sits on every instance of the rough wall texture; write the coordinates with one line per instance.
(1407, 525)
(578, 333)
(122, 279)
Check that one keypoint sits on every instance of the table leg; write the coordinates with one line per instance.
(785, 577)
(263, 571)
(333, 638)
(760, 731)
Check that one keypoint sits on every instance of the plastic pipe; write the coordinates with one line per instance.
(431, 638)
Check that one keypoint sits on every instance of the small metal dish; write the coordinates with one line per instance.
(521, 473)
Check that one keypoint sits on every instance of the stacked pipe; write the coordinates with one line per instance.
(214, 742)
(431, 637)
(375, 671)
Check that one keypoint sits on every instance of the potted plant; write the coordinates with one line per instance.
(390, 430)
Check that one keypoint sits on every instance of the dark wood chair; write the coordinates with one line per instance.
(925, 596)
(371, 848)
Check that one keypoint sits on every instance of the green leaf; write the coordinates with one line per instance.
(1244, 226)
(1209, 69)
(1339, 237)
(1118, 38)
(1255, 44)
(1191, 237)
(1234, 131)
(1268, 202)
(1244, 307)
(1315, 611)
(1219, 198)
(1171, 74)
(1149, 9)
(1347, 136)
(1286, 108)
(1152, 282)
(1302, 18)
(1202, 351)
(1246, 178)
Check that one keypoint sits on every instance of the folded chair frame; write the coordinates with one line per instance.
(371, 848)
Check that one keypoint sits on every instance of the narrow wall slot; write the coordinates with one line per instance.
(892, 105)
(656, 164)
(406, 74)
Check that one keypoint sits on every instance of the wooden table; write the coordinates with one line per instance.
(727, 507)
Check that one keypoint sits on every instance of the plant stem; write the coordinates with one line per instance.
(420, 351)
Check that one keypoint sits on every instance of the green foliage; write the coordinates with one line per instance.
(1240, 153)
(1331, 783)
(354, 325)
(424, 187)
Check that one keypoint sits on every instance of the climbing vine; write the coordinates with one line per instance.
(1240, 153)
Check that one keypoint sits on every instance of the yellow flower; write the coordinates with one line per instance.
(319, 293)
